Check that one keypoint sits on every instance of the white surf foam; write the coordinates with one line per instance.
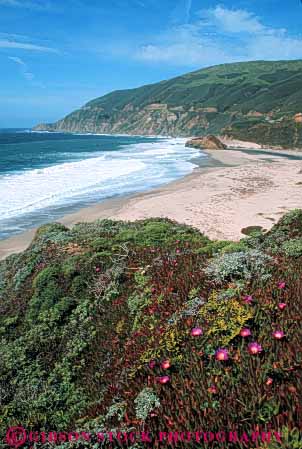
(134, 167)
(41, 188)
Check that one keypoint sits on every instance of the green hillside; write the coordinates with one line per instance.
(255, 99)
(229, 87)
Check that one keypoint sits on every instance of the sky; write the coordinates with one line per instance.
(55, 55)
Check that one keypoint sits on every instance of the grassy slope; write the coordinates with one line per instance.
(84, 311)
(273, 88)
(261, 86)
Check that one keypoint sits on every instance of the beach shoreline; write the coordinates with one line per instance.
(241, 190)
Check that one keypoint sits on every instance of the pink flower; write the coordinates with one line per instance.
(164, 379)
(153, 290)
(281, 284)
(97, 269)
(248, 299)
(269, 381)
(254, 348)
(278, 335)
(166, 364)
(245, 332)
(196, 331)
(282, 305)
(152, 364)
(212, 389)
(221, 354)
(178, 251)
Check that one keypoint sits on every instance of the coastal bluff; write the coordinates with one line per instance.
(241, 101)
(209, 142)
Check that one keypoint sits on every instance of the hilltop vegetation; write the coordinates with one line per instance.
(151, 326)
(254, 100)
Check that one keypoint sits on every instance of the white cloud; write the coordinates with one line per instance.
(24, 69)
(220, 35)
(26, 73)
(183, 45)
(13, 44)
(14, 36)
(28, 4)
(275, 46)
(235, 20)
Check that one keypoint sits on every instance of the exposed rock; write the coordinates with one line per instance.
(255, 114)
(298, 117)
(156, 106)
(44, 127)
(209, 109)
(209, 142)
(128, 107)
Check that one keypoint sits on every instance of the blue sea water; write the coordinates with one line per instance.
(46, 175)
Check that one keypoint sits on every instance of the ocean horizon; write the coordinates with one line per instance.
(44, 176)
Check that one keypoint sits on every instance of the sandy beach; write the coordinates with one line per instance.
(246, 190)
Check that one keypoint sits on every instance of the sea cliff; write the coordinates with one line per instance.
(256, 101)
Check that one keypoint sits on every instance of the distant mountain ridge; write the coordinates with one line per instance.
(259, 101)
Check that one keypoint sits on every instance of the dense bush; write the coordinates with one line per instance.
(240, 265)
(292, 247)
(289, 227)
(145, 402)
(96, 331)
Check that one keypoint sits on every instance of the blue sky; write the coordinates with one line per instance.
(55, 55)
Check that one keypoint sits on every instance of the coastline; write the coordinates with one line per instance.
(240, 190)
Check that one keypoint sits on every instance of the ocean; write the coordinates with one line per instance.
(44, 176)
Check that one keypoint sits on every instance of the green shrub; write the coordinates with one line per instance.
(45, 277)
(229, 293)
(139, 299)
(61, 308)
(292, 248)
(292, 217)
(117, 410)
(78, 334)
(240, 265)
(268, 410)
(212, 248)
(70, 267)
(235, 247)
(78, 285)
(222, 246)
(145, 402)
(159, 232)
(100, 244)
(289, 227)
(47, 291)
(223, 318)
(291, 439)
(53, 232)
(23, 273)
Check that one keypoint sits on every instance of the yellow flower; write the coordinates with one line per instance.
(225, 318)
